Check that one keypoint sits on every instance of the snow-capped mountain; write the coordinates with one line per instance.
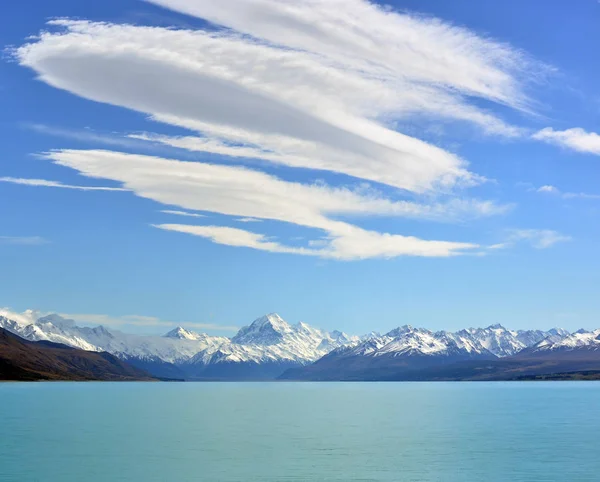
(57, 329)
(269, 346)
(408, 350)
(180, 333)
(409, 341)
(269, 343)
(502, 342)
(581, 339)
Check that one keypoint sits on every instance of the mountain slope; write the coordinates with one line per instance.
(26, 360)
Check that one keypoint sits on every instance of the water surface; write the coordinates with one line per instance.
(150, 432)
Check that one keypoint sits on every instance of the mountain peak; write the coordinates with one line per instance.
(268, 329)
(558, 332)
(401, 330)
(102, 330)
(181, 333)
(272, 319)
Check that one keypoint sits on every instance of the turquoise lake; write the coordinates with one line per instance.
(147, 432)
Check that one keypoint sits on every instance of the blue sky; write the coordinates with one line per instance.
(358, 168)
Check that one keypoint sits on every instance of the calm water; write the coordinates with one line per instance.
(146, 432)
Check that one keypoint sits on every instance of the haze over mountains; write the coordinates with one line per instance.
(270, 348)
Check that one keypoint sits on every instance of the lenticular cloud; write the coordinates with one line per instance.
(282, 106)
(308, 84)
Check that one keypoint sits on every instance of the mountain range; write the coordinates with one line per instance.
(271, 348)
(492, 353)
(262, 350)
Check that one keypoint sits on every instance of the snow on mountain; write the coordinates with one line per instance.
(267, 339)
(18, 319)
(502, 342)
(271, 339)
(559, 332)
(266, 330)
(181, 333)
(408, 341)
(413, 341)
(370, 335)
(579, 339)
(60, 330)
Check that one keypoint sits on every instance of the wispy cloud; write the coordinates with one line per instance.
(183, 213)
(349, 243)
(248, 220)
(576, 139)
(537, 238)
(242, 192)
(549, 189)
(236, 237)
(85, 135)
(25, 318)
(46, 183)
(25, 240)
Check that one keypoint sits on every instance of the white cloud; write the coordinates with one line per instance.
(322, 102)
(182, 213)
(345, 242)
(25, 318)
(241, 192)
(537, 238)
(576, 139)
(46, 183)
(547, 188)
(25, 240)
(234, 237)
(394, 46)
(313, 84)
(253, 194)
